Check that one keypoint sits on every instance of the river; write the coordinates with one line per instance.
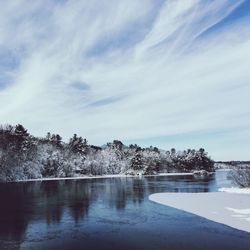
(110, 213)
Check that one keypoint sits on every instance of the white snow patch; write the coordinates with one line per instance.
(239, 211)
(174, 174)
(229, 209)
(238, 215)
(102, 176)
(235, 190)
(76, 177)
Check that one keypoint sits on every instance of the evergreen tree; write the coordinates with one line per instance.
(78, 144)
(56, 140)
(173, 152)
(137, 162)
(20, 131)
(48, 136)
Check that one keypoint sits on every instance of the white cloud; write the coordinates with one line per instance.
(147, 70)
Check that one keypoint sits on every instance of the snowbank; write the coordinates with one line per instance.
(76, 177)
(173, 174)
(229, 209)
(235, 190)
(103, 176)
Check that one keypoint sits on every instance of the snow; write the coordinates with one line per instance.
(230, 209)
(174, 174)
(76, 177)
(235, 190)
(239, 211)
(102, 176)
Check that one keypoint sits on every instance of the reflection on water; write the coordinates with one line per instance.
(36, 212)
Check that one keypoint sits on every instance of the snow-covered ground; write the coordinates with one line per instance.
(172, 174)
(103, 176)
(235, 190)
(230, 209)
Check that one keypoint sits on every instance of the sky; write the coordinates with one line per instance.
(168, 73)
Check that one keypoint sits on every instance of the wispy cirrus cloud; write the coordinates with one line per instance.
(148, 71)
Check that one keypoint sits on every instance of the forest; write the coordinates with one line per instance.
(24, 156)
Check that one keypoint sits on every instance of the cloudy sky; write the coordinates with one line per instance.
(171, 73)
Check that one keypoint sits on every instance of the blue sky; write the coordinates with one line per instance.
(168, 73)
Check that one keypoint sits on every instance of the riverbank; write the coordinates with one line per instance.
(104, 176)
(230, 209)
(235, 190)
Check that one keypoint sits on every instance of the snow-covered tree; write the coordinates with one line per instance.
(56, 140)
(78, 144)
(138, 162)
(23, 156)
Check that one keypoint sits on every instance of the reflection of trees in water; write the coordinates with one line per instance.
(79, 199)
(116, 192)
(24, 202)
(50, 201)
(139, 185)
(120, 191)
(72, 194)
(13, 219)
(187, 184)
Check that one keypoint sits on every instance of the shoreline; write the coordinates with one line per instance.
(103, 177)
(235, 190)
(230, 209)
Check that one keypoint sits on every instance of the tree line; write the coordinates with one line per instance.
(24, 156)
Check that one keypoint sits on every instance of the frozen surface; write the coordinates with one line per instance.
(227, 208)
(235, 190)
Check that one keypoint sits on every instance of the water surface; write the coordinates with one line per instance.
(112, 213)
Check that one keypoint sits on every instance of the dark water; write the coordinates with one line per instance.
(112, 213)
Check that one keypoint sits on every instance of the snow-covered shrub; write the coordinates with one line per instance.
(240, 177)
(32, 170)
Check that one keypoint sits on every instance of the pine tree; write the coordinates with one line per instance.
(48, 136)
(56, 140)
(77, 144)
(21, 136)
(20, 131)
(137, 162)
